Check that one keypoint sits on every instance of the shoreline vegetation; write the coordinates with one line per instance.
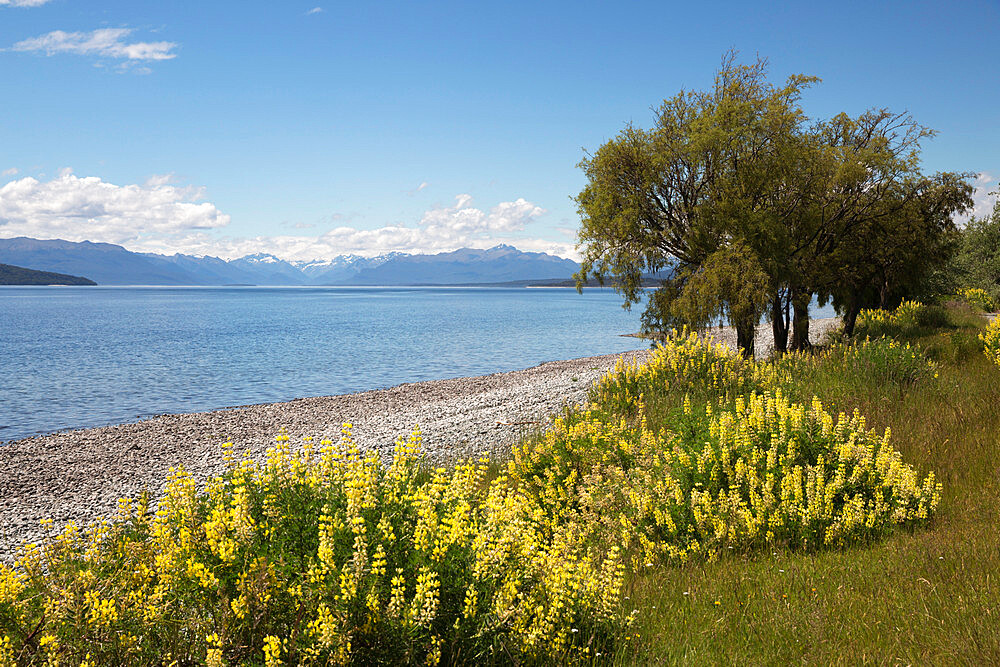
(700, 506)
(17, 275)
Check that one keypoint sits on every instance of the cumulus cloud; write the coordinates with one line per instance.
(22, 3)
(314, 10)
(464, 219)
(9, 172)
(440, 229)
(76, 209)
(105, 42)
(984, 197)
(164, 218)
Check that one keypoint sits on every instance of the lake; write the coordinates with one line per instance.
(74, 357)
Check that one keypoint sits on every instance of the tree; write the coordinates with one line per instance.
(699, 182)
(977, 258)
(730, 283)
(892, 253)
(736, 179)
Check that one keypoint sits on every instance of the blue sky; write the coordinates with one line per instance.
(311, 129)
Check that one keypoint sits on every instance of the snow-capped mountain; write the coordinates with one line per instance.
(109, 264)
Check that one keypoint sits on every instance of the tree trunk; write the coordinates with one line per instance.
(800, 321)
(779, 325)
(883, 295)
(851, 317)
(745, 335)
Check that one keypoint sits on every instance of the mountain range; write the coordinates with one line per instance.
(109, 264)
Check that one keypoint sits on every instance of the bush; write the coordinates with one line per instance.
(757, 472)
(876, 323)
(315, 558)
(684, 363)
(882, 360)
(991, 340)
(978, 298)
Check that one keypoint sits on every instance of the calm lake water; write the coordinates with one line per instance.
(79, 357)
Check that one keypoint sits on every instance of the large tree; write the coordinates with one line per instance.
(701, 182)
(735, 177)
(977, 260)
(891, 252)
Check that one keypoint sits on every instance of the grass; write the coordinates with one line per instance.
(928, 596)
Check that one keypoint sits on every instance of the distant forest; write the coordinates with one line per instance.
(17, 275)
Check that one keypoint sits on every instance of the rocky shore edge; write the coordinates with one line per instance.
(80, 475)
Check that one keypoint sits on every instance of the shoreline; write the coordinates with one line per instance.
(79, 474)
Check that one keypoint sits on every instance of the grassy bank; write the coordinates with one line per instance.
(927, 596)
(832, 507)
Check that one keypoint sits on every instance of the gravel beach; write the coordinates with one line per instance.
(79, 475)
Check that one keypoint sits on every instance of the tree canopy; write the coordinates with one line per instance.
(753, 209)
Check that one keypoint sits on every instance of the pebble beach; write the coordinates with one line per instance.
(80, 475)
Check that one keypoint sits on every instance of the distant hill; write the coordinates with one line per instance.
(110, 264)
(647, 280)
(502, 263)
(104, 263)
(17, 275)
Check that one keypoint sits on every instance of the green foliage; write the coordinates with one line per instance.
(902, 321)
(737, 179)
(318, 557)
(862, 363)
(663, 198)
(977, 260)
(730, 284)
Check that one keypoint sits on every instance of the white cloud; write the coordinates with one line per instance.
(440, 229)
(9, 172)
(73, 208)
(984, 197)
(22, 3)
(423, 185)
(105, 42)
(158, 180)
(314, 10)
(164, 218)
(464, 219)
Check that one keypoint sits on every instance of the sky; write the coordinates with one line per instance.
(310, 129)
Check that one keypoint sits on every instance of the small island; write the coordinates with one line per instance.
(18, 275)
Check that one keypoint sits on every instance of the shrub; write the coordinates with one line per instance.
(991, 340)
(315, 558)
(978, 298)
(756, 472)
(876, 323)
(684, 363)
(882, 360)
